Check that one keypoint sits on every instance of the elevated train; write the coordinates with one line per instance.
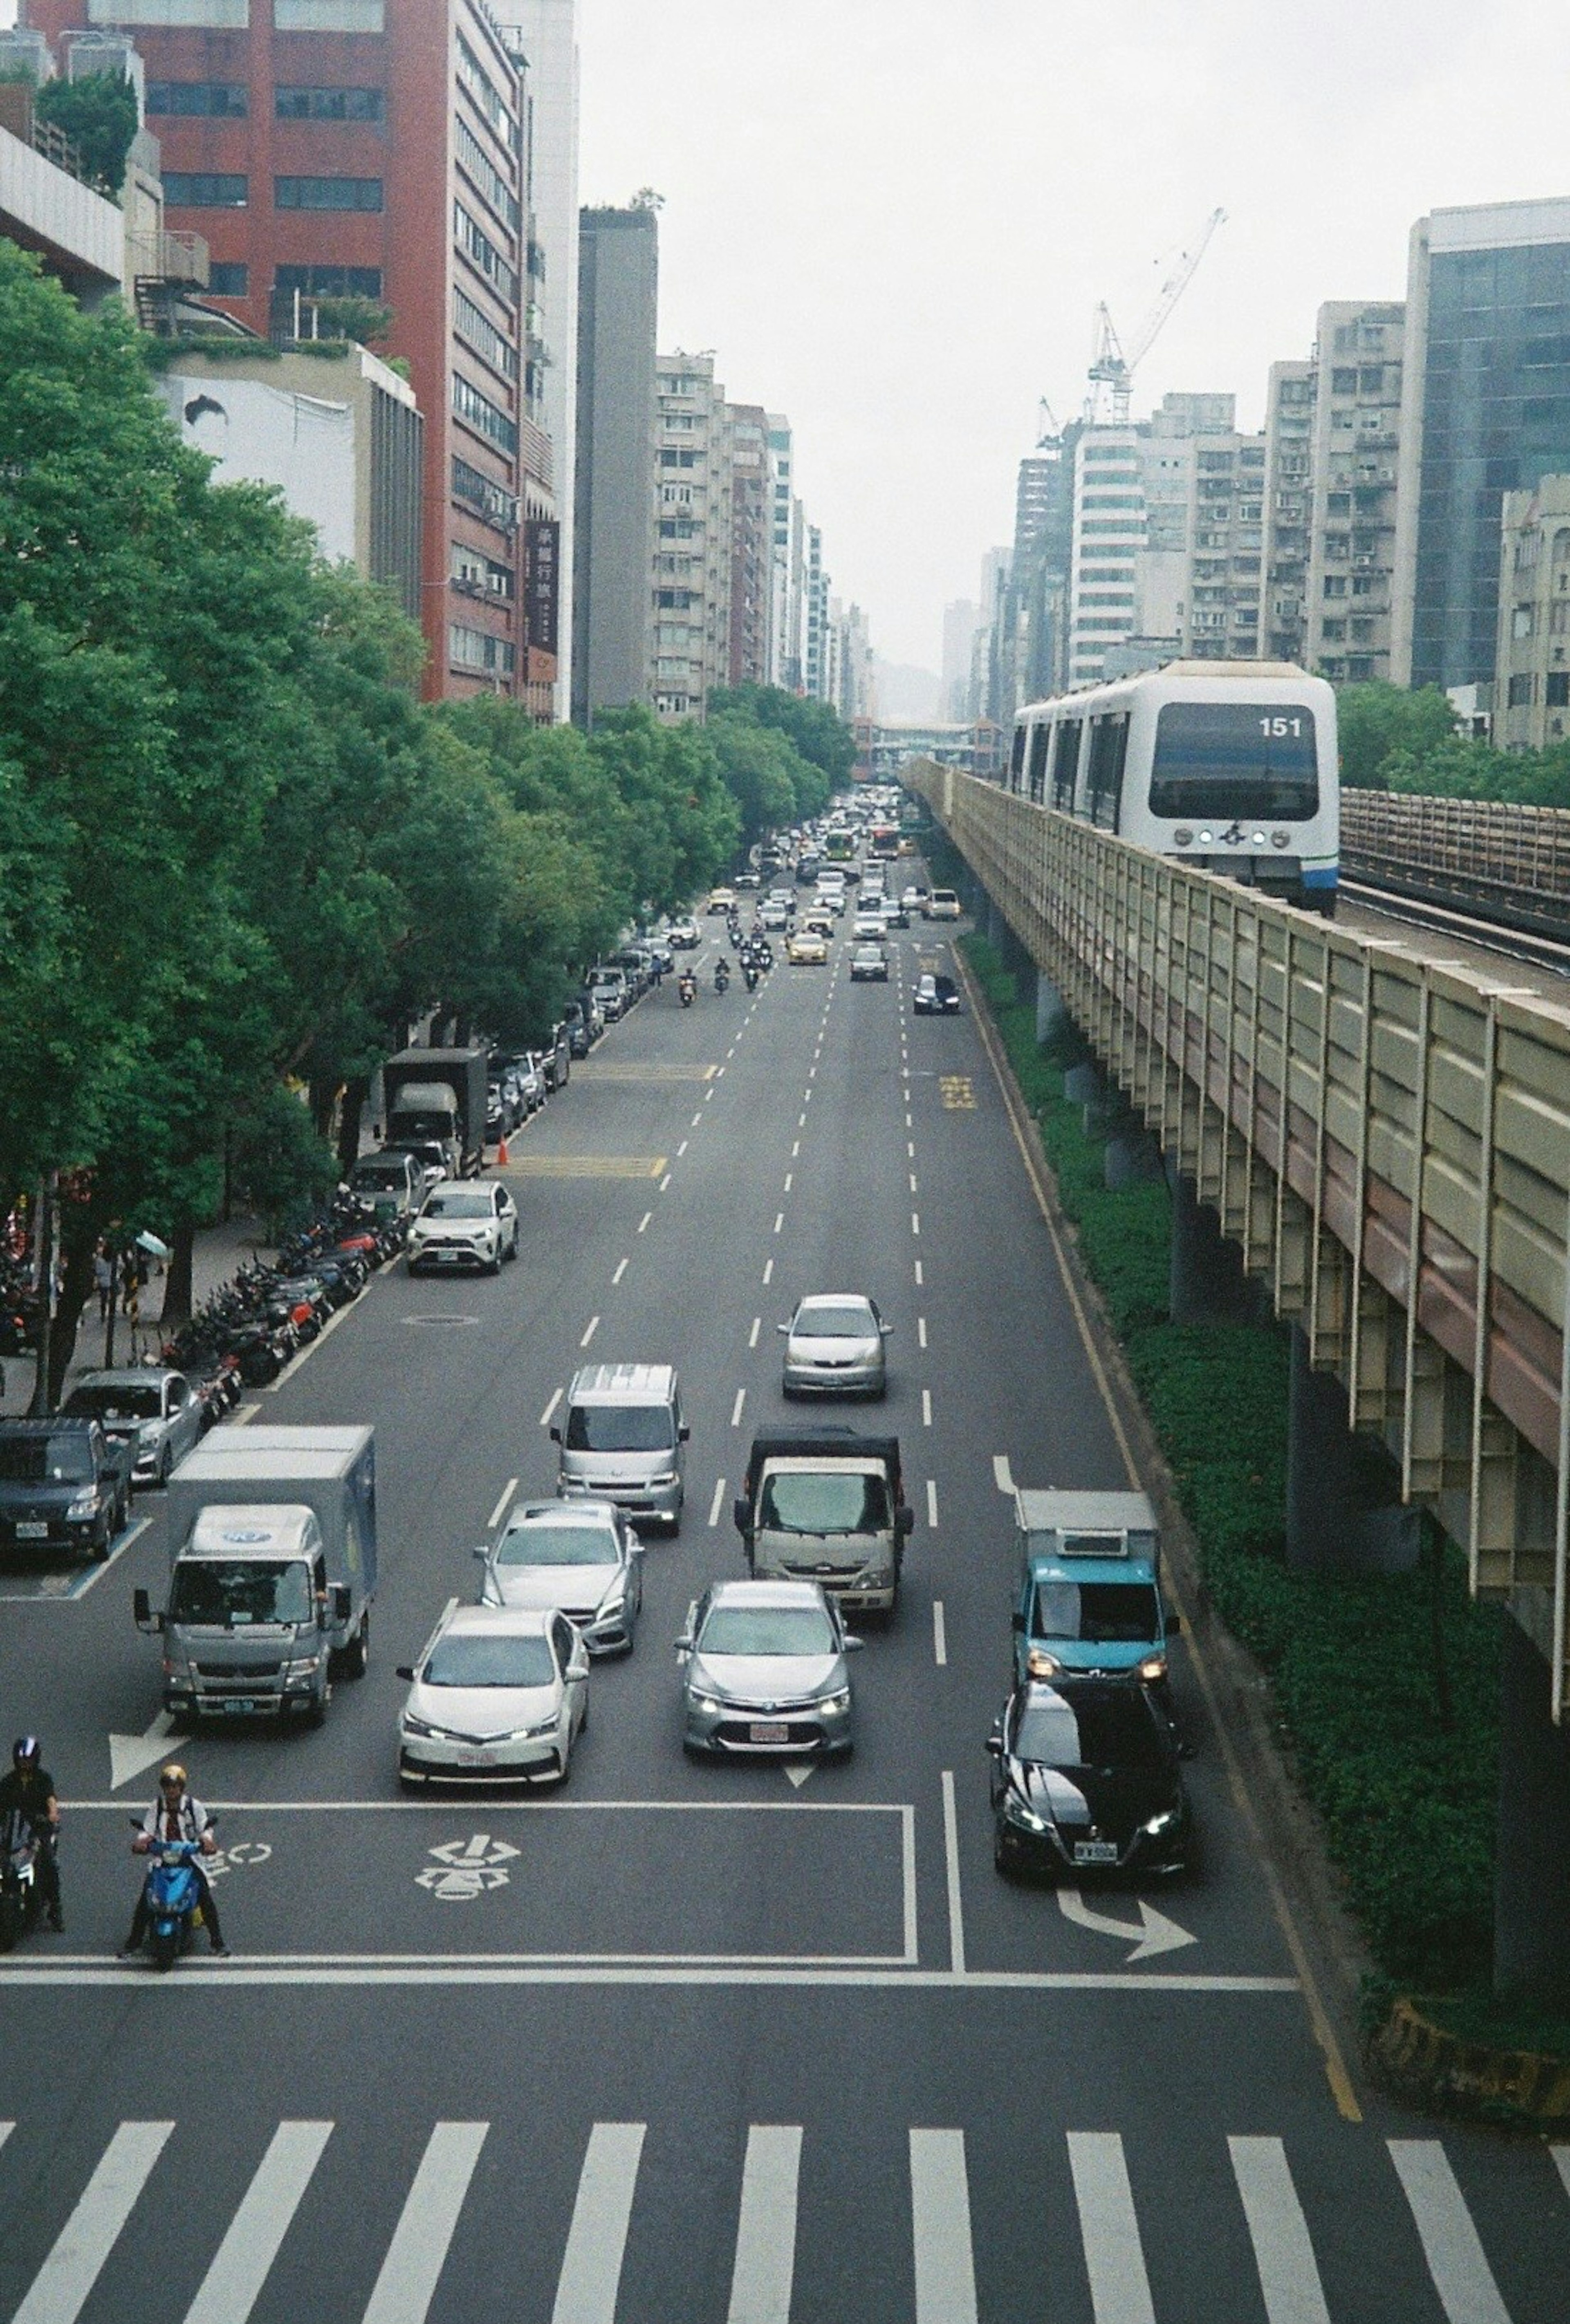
(1229, 766)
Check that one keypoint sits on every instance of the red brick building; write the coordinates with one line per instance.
(380, 149)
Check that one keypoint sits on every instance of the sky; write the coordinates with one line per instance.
(894, 222)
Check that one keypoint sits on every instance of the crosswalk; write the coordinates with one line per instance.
(1286, 2286)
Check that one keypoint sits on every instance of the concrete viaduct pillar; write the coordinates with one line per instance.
(1343, 1511)
(1531, 1935)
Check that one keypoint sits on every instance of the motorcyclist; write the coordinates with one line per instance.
(27, 1797)
(175, 1815)
(722, 975)
(686, 985)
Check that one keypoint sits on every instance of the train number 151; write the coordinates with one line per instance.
(1279, 727)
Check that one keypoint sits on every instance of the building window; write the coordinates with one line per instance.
(481, 575)
(327, 193)
(227, 278)
(328, 16)
(1557, 690)
(329, 281)
(487, 178)
(216, 100)
(1335, 584)
(207, 15)
(329, 103)
(473, 76)
(481, 251)
(479, 413)
(1524, 621)
(477, 329)
(1523, 690)
(204, 189)
(679, 459)
(478, 652)
(497, 506)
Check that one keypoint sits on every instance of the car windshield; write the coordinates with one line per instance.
(229, 1593)
(383, 1174)
(473, 1660)
(620, 1428)
(823, 1502)
(117, 1400)
(766, 1630)
(1110, 1728)
(1097, 1613)
(548, 1542)
(849, 1322)
(458, 1203)
(63, 1460)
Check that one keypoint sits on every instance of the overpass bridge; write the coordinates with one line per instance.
(1383, 1138)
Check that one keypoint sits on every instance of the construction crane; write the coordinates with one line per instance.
(1112, 370)
(1047, 431)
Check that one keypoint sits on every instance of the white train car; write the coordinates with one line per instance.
(1229, 766)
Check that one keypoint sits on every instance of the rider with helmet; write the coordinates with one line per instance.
(27, 1797)
(176, 1815)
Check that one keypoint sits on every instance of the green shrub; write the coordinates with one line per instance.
(1407, 1798)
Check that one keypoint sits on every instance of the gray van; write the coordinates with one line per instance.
(621, 1439)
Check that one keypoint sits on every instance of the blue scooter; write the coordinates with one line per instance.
(172, 1896)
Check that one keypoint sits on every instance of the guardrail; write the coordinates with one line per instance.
(1510, 863)
(1387, 1139)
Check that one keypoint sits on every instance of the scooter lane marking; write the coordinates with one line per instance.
(499, 1512)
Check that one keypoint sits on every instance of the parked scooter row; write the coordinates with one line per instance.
(248, 1331)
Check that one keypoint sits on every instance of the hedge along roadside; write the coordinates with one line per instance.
(1408, 1803)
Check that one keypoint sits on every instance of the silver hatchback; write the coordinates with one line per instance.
(834, 1346)
(582, 1556)
(764, 1673)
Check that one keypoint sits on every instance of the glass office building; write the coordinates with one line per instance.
(1485, 410)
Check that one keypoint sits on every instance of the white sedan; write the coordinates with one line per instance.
(464, 1222)
(500, 1695)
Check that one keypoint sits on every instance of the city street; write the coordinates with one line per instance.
(683, 2044)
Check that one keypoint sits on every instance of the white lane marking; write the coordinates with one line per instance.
(806, 1099)
(879, 1972)
(801, 1122)
(597, 2241)
(911, 1149)
(233, 2283)
(427, 2223)
(812, 1075)
(245, 1412)
(1003, 1475)
(644, 1221)
(717, 1503)
(1119, 2290)
(918, 1273)
(696, 1120)
(752, 1334)
(915, 1223)
(592, 1327)
(786, 1188)
(908, 1123)
(921, 1331)
(912, 1182)
(940, 2229)
(547, 1415)
(294, 1363)
(708, 1095)
(500, 1511)
(59, 2290)
(765, 2268)
(1461, 2272)
(939, 1636)
(665, 1182)
(719, 1073)
(931, 1505)
(951, 1870)
(769, 1274)
(130, 1754)
(779, 1220)
(1561, 2155)
(1283, 2253)
(736, 1407)
(927, 1407)
(621, 1270)
(681, 1150)
(796, 1776)
(1153, 1932)
(795, 1150)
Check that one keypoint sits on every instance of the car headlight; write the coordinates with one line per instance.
(705, 1702)
(1040, 1663)
(1168, 1821)
(609, 1607)
(838, 1700)
(413, 1726)
(531, 1734)
(294, 1671)
(147, 1432)
(84, 1505)
(1019, 1811)
(666, 1477)
(1153, 1667)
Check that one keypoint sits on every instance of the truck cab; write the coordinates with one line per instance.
(826, 1505)
(1089, 1593)
(248, 1627)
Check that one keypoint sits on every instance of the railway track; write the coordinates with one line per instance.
(1538, 950)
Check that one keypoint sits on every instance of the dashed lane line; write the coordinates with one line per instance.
(665, 1182)
(931, 1505)
(939, 1636)
(621, 1270)
(779, 1220)
(918, 1276)
(921, 1331)
(549, 1413)
(644, 1221)
(752, 1334)
(736, 1407)
(915, 1223)
(927, 1407)
(592, 1327)
(767, 1274)
(717, 1503)
(500, 1511)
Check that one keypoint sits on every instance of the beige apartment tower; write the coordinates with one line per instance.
(1531, 702)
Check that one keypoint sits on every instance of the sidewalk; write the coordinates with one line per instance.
(219, 1253)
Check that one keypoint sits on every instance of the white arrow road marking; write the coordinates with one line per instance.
(1155, 1934)
(1003, 1475)
(130, 1754)
(798, 1775)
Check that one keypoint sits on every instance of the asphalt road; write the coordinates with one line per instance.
(683, 2045)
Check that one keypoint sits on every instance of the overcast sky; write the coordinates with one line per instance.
(892, 220)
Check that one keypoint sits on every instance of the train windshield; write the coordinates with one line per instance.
(1217, 759)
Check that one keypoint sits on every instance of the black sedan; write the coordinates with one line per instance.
(1085, 1780)
(936, 996)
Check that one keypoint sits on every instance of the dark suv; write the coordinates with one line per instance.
(64, 1484)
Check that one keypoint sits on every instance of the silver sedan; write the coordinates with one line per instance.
(582, 1556)
(764, 1673)
(834, 1346)
(158, 1413)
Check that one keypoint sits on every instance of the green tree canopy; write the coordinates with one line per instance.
(98, 112)
(1376, 721)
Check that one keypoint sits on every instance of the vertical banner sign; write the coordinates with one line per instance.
(542, 542)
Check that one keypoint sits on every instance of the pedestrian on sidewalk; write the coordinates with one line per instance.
(104, 1277)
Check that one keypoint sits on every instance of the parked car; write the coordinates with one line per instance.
(473, 1222)
(531, 1079)
(581, 1556)
(834, 1345)
(610, 989)
(501, 1114)
(764, 1672)
(156, 1414)
(556, 1057)
(934, 996)
(392, 1182)
(63, 1485)
(430, 1160)
(1085, 1779)
(574, 1024)
(593, 1015)
(499, 1694)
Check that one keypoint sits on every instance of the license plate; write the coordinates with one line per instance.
(768, 1730)
(31, 1529)
(238, 1705)
(474, 1758)
(1096, 1851)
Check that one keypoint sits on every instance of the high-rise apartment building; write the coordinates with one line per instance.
(815, 674)
(1531, 700)
(690, 578)
(379, 149)
(548, 29)
(1485, 410)
(1225, 547)
(1109, 532)
(752, 544)
(616, 524)
(1352, 526)
(785, 612)
(1288, 491)
(960, 620)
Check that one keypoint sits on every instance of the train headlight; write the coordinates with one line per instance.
(1259, 839)
(1205, 840)
(1280, 839)
(1184, 838)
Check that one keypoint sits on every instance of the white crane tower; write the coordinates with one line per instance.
(1112, 370)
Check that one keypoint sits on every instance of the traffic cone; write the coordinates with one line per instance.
(501, 1154)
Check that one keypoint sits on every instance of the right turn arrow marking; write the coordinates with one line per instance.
(1154, 1933)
